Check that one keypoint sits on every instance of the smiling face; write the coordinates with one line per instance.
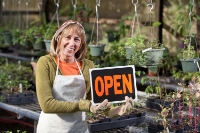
(69, 42)
(69, 45)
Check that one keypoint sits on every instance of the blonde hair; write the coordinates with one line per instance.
(64, 30)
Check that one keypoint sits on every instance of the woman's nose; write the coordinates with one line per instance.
(72, 42)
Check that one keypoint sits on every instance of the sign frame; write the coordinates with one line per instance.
(108, 68)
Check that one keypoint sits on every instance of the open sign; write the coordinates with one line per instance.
(113, 83)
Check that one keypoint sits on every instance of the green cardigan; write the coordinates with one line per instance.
(45, 74)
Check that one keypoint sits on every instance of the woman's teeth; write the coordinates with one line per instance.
(70, 49)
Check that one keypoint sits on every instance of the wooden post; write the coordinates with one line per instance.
(159, 17)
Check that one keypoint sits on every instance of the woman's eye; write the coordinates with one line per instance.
(77, 39)
(68, 37)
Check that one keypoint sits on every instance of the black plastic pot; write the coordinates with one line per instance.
(18, 98)
(155, 128)
(115, 123)
(154, 103)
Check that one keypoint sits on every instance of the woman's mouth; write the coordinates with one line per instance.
(70, 49)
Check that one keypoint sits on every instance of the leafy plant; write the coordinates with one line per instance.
(153, 88)
(183, 19)
(113, 57)
(136, 49)
(11, 75)
(188, 52)
(50, 30)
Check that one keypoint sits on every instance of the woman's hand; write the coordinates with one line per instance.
(100, 107)
(120, 110)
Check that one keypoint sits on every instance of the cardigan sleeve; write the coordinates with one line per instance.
(45, 74)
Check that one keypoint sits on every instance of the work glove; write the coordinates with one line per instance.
(120, 110)
(100, 107)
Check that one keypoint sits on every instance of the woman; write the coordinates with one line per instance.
(63, 83)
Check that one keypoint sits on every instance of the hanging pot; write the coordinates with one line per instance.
(154, 56)
(97, 50)
(47, 45)
(189, 65)
(38, 43)
(152, 70)
(7, 38)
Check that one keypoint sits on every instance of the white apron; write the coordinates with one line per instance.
(65, 88)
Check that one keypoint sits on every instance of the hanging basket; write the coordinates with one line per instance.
(189, 65)
(7, 38)
(97, 50)
(47, 45)
(38, 45)
(154, 56)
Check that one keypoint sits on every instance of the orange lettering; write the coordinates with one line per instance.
(127, 83)
(100, 80)
(108, 83)
(117, 84)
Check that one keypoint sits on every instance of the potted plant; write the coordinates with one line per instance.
(15, 82)
(96, 47)
(188, 56)
(113, 57)
(140, 52)
(113, 35)
(7, 36)
(26, 39)
(49, 32)
(16, 33)
(38, 32)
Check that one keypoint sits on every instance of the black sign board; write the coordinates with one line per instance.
(113, 83)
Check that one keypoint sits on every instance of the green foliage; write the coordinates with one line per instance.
(112, 57)
(50, 30)
(155, 24)
(182, 17)
(82, 12)
(177, 74)
(11, 75)
(188, 52)
(153, 88)
(136, 45)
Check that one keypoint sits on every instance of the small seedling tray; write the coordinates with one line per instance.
(155, 104)
(119, 123)
(18, 98)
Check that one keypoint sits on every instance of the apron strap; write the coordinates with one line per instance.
(79, 67)
(57, 67)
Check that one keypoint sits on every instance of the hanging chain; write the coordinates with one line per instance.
(135, 2)
(3, 7)
(190, 25)
(150, 21)
(56, 14)
(97, 22)
(190, 13)
(135, 19)
(11, 10)
(74, 5)
(27, 13)
(39, 7)
(97, 17)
